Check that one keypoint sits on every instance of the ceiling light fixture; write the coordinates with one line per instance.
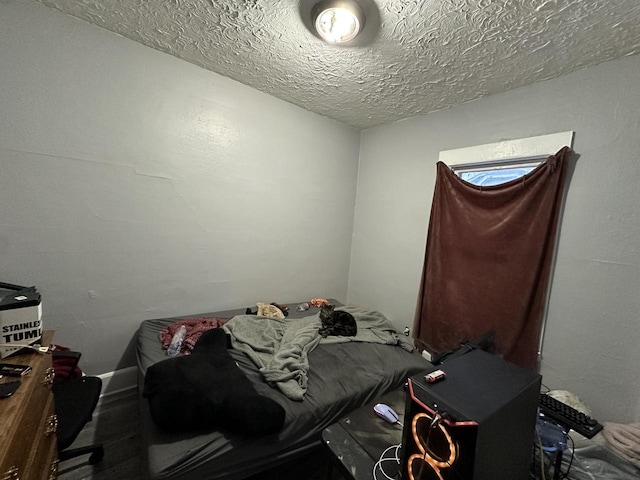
(337, 21)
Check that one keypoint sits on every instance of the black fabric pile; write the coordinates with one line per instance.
(207, 390)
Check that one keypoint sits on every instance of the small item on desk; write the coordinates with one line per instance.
(434, 377)
(8, 388)
(386, 412)
(11, 370)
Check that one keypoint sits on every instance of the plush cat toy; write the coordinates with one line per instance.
(336, 322)
(265, 310)
(269, 310)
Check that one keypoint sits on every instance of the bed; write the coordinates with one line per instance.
(341, 378)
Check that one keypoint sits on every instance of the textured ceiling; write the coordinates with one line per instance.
(418, 55)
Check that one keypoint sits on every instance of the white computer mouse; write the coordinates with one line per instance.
(386, 412)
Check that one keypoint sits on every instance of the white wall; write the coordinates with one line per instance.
(592, 343)
(134, 185)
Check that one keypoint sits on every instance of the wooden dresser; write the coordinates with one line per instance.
(28, 422)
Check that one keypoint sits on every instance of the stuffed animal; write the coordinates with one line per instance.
(267, 310)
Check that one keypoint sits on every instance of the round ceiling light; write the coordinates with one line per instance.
(338, 21)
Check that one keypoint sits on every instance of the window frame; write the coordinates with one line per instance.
(489, 166)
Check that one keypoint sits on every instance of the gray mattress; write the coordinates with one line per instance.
(342, 377)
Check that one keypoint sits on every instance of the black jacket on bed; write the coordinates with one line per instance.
(207, 390)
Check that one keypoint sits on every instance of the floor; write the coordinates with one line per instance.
(116, 426)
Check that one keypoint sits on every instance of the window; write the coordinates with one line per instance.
(500, 162)
(494, 173)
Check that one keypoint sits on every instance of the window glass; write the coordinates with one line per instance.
(487, 176)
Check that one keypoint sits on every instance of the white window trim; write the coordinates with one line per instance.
(518, 151)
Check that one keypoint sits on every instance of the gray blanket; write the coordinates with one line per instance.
(373, 327)
(280, 347)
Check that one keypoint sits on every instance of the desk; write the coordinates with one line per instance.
(28, 422)
(357, 440)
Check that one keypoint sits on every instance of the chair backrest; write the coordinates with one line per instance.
(65, 363)
(76, 397)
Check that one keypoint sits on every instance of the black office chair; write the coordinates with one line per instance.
(75, 401)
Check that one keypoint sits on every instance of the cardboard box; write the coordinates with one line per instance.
(20, 318)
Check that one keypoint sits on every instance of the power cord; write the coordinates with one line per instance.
(382, 459)
(437, 419)
(573, 452)
(542, 464)
(434, 423)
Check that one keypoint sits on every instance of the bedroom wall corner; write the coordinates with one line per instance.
(592, 335)
(135, 185)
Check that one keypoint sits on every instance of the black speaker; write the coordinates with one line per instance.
(477, 423)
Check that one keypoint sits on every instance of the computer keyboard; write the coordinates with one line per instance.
(568, 416)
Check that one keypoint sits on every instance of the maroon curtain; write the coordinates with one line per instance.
(488, 260)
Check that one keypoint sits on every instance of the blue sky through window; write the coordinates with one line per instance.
(486, 176)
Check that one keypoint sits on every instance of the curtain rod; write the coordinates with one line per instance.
(495, 163)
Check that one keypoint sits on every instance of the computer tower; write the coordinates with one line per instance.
(475, 424)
